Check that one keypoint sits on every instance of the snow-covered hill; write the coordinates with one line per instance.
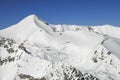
(36, 50)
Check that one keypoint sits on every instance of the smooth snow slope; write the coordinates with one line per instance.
(34, 49)
(25, 28)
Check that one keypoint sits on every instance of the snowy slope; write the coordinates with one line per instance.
(25, 28)
(35, 50)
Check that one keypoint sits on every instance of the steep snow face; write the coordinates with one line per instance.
(36, 50)
(25, 28)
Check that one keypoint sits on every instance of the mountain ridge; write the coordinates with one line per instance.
(36, 50)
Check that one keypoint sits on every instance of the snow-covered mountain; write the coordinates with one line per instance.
(35, 50)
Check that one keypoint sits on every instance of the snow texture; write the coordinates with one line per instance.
(35, 50)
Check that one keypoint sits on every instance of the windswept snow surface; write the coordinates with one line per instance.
(35, 50)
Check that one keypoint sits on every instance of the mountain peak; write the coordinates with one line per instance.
(29, 19)
(34, 50)
(32, 18)
(26, 27)
(32, 15)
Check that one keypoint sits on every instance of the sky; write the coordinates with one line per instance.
(79, 12)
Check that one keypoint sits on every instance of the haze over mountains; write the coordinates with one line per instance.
(36, 50)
